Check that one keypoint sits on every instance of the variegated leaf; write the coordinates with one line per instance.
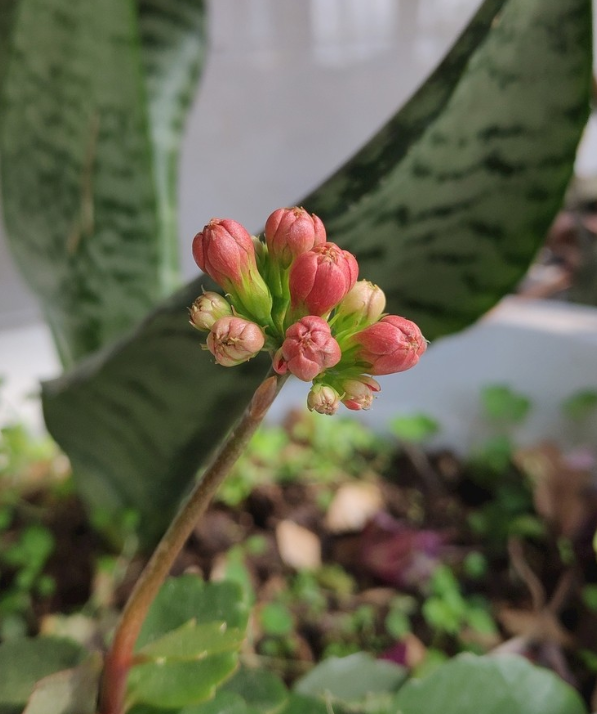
(87, 163)
(7, 15)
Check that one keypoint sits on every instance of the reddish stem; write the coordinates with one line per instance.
(120, 656)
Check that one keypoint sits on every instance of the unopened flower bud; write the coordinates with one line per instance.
(225, 251)
(308, 350)
(321, 278)
(233, 340)
(208, 308)
(323, 399)
(393, 344)
(359, 392)
(363, 305)
(290, 232)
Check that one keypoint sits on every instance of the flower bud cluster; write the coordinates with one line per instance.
(295, 295)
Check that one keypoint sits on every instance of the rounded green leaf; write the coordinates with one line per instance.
(261, 690)
(174, 683)
(195, 601)
(194, 640)
(351, 678)
(24, 662)
(505, 684)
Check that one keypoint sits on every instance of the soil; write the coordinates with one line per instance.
(369, 580)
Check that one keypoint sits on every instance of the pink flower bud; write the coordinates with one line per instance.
(308, 349)
(323, 399)
(359, 392)
(233, 340)
(226, 252)
(321, 278)
(292, 231)
(363, 305)
(208, 308)
(393, 344)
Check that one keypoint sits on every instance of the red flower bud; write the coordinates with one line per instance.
(308, 349)
(323, 399)
(208, 308)
(233, 340)
(363, 305)
(292, 231)
(393, 344)
(225, 251)
(320, 278)
(358, 393)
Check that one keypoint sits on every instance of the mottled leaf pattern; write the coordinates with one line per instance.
(453, 225)
(7, 15)
(76, 169)
(150, 415)
(90, 228)
(172, 51)
(445, 222)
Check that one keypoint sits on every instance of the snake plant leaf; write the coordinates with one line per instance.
(8, 10)
(444, 209)
(172, 51)
(453, 224)
(88, 156)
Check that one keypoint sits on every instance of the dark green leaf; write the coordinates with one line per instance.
(8, 9)
(24, 662)
(88, 169)
(489, 685)
(351, 678)
(444, 209)
(73, 691)
(261, 690)
(139, 391)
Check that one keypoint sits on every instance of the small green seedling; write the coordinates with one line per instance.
(416, 428)
(504, 405)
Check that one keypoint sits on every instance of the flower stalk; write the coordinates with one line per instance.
(120, 657)
(294, 295)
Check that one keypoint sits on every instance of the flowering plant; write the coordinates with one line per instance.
(296, 296)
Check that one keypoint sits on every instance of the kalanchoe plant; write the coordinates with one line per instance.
(295, 295)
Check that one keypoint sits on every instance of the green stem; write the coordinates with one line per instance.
(120, 656)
